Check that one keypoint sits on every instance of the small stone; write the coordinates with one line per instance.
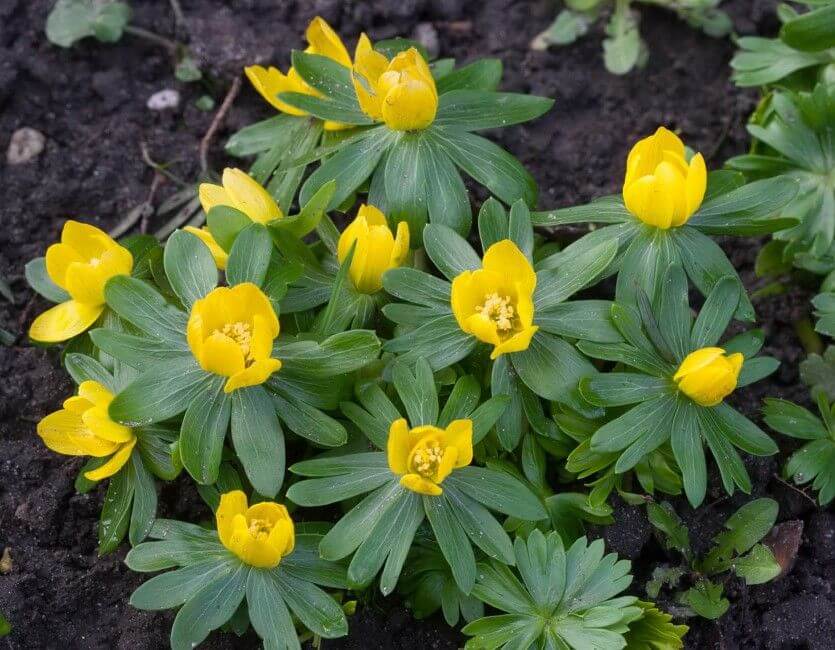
(26, 144)
(6, 564)
(164, 99)
(427, 35)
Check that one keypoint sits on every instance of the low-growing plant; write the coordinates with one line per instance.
(678, 384)
(737, 548)
(563, 598)
(623, 47)
(803, 55)
(815, 461)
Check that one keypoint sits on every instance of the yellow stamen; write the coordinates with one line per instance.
(499, 310)
(241, 333)
(260, 528)
(427, 458)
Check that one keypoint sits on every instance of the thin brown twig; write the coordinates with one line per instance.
(179, 17)
(780, 479)
(206, 142)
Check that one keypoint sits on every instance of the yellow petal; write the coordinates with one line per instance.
(249, 196)
(516, 343)
(212, 195)
(116, 462)
(220, 256)
(85, 283)
(696, 184)
(221, 355)
(369, 66)
(282, 536)
(459, 434)
(410, 106)
(231, 504)
(697, 360)
(64, 321)
(98, 421)
(77, 404)
(647, 199)
(55, 430)
(255, 374)
(483, 328)
(506, 260)
(448, 462)
(95, 393)
(255, 552)
(58, 259)
(398, 446)
(326, 42)
(90, 242)
(255, 302)
(417, 483)
(400, 251)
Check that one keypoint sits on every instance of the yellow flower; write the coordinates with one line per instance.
(377, 249)
(400, 92)
(260, 534)
(424, 456)
(81, 264)
(231, 333)
(707, 376)
(495, 303)
(661, 188)
(220, 256)
(239, 191)
(83, 428)
(270, 82)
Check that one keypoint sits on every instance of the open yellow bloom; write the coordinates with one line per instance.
(424, 456)
(495, 303)
(231, 333)
(400, 92)
(661, 188)
(260, 534)
(377, 249)
(81, 265)
(707, 376)
(242, 192)
(84, 428)
(271, 82)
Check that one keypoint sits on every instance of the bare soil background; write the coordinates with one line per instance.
(90, 103)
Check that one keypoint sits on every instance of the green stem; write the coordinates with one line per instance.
(808, 337)
(152, 37)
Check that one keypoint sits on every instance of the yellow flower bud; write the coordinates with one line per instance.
(424, 456)
(271, 82)
(260, 534)
(231, 333)
(81, 264)
(707, 376)
(495, 302)
(661, 188)
(400, 92)
(84, 428)
(377, 249)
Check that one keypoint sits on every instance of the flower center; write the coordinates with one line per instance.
(94, 262)
(241, 333)
(427, 458)
(260, 528)
(499, 310)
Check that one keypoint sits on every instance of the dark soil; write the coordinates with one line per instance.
(90, 103)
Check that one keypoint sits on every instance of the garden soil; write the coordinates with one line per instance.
(90, 103)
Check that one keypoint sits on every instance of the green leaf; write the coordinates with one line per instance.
(731, 467)
(137, 302)
(311, 214)
(479, 525)
(483, 74)
(452, 541)
(606, 209)
(189, 267)
(474, 110)
(449, 251)
(623, 48)
(505, 382)
(326, 109)
(319, 612)
(115, 511)
(748, 210)
(447, 198)
(757, 566)
(417, 392)
(440, 341)
(706, 599)
(555, 286)
(203, 431)
(268, 613)
(83, 368)
(654, 630)
(811, 32)
(144, 508)
(261, 136)
(224, 223)
(622, 388)
(258, 439)
(498, 491)
(326, 75)
(645, 420)
(333, 489)
(338, 354)
(744, 529)
(793, 420)
(818, 372)
(716, 313)
(39, 280)
(172, 589)
(162, 391)
(580, 319)
(250, 256)
(488, 164)
(136, 351)
(665, 519)
(72, 20)
(309, 422)
(417, 286)
(209, 608)
(405, 183)
(686, 442)
(349, 167)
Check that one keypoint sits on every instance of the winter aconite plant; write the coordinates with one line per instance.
(441, 391)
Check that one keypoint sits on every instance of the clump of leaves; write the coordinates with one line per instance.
(801, 56)
(563, 598)
(736, 549)
(623, 47)
(794, 140)
(814, 461)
